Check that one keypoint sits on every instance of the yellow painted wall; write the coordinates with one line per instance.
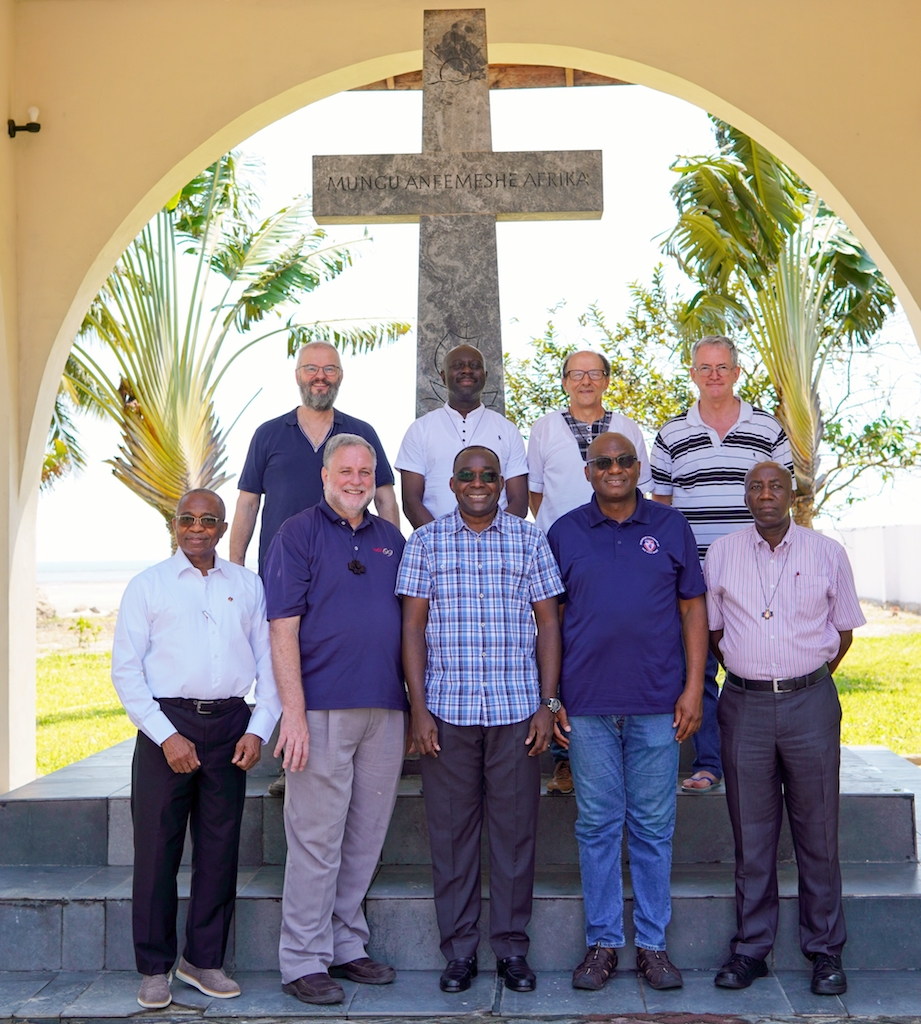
(136, 96)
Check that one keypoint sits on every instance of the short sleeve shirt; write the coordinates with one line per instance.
(282, 465)
(556, 468)
(705, 476)
(807, 585)
(350, 622)
(433, 440)
(623, 651)
(480, 637)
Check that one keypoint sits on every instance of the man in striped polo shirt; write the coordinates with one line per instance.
(699, 461)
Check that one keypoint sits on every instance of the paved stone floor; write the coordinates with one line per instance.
(782, 996)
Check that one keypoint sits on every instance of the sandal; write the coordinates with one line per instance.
(706, 777)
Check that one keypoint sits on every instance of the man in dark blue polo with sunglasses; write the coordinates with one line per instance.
(634, 612)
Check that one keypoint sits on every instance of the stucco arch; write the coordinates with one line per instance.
(137, 95)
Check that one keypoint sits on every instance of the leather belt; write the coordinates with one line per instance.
(203, 707)
(779, 685)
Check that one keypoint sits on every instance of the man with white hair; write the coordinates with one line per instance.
(286, 454)
(699, 462)
(335, 628)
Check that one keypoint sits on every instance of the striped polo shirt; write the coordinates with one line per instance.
(706, 476)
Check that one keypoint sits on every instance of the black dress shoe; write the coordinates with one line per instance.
(739, 971)
(828, 977)
(458, 975)
(518, 976)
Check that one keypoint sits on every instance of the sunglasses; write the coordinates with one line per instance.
(487, 476)
(604, 462)
(208, 522)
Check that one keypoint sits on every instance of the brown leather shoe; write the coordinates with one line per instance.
(561, 783)
(315, 988)
(365, 971)
(657, 969)
(595, 969)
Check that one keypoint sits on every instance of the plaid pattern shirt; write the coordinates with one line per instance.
(481, 638)
(585, 433)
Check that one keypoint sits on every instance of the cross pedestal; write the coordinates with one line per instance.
(457, 188)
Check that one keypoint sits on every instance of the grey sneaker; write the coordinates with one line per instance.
(210, 980)
(154, 992)
(277, 786)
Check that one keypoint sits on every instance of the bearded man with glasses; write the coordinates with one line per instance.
(190, 638)
(699, 462)
(286, 456)
(557, 450)
(633, 615)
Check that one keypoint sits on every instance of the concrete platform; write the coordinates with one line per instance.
(783, 995)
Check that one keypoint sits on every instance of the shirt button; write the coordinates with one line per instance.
(481, 595)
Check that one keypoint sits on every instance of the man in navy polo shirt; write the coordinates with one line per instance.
(335, 632)
(634, 614)
(286, 454)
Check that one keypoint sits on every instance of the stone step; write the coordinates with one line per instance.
(81, 815)
(79, 919)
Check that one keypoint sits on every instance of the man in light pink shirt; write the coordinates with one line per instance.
(782, 607)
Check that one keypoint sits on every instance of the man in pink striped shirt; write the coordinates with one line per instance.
(782, 608)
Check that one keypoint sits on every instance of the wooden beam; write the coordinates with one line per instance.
(507, 76)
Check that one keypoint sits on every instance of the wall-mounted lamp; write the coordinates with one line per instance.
(31, 126)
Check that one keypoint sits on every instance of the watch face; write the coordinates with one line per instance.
(552, 703)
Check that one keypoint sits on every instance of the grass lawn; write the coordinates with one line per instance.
(77, 711)
(879, 682)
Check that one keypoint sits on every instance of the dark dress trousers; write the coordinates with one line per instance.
(163, 802)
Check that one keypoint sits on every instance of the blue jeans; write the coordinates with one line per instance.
(625, 769)
(707, 738)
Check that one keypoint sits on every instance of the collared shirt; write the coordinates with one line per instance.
(434, 439)
(480, 637)
(181, 634)
(706, 476)
(350, 622)
(556, 467)
(282, 465)
(807, 584)
(623, 650)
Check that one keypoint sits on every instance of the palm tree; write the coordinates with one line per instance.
(201, 271)
(771, 259)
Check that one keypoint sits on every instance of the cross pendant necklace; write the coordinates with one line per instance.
(768, 601)
(355, 565)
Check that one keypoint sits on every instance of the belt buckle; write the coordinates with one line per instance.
(775, 687)
(198, 706)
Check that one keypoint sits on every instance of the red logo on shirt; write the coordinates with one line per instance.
(650, 545)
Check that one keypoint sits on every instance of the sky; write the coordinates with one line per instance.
(561, 266)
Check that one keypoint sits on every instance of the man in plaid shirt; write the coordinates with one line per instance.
(481, 656)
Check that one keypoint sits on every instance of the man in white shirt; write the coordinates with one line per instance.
(191, 636)
(557, 450)
(426, 456)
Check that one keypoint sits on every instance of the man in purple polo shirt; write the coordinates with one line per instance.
(634, 611)
(286, 454)
(335, 632)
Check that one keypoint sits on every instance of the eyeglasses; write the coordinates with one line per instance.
(576, 375)
(327, 371)
(487, 476)
(208, 522)
(707, 371)
(604, 462)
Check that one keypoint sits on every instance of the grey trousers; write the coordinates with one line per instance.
(336, 815)
(784, 748)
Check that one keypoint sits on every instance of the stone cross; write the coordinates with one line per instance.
(457, 188)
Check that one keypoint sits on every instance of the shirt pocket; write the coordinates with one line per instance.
(446, 577)
(811, 596)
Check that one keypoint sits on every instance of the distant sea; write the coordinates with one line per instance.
(75, 588)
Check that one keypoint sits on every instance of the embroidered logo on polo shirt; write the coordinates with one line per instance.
(383, 551)
(650, 545)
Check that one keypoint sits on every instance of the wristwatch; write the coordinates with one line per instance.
(553, 703)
